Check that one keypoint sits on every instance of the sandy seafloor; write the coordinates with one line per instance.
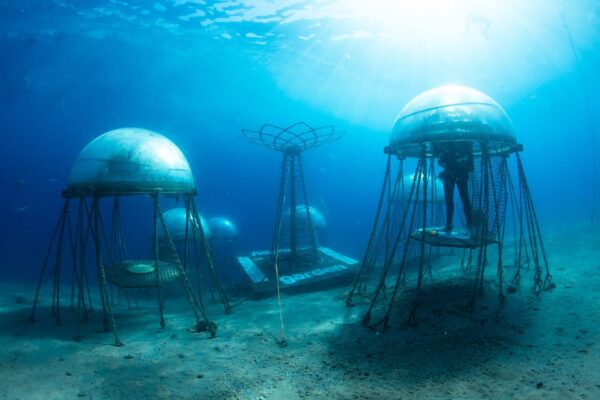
(545, 347)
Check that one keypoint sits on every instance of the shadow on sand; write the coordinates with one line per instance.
(448, 341)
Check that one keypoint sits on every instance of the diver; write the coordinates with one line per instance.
(457, 160)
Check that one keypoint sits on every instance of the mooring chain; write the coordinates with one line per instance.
(412, 319)
(79, 241)
(535, 228)
(108, 314)
(516, 211)
(210, 259)
(414, 194)
(197, 306)
(381, 286)
(282, 341)
(84, 245)
(46, 259)
(415, 190)
(481, 231)
(499, 196)
(360, 275)
(57, 265)
(72, 247)
(157, 267)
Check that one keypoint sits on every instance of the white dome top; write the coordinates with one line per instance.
(451, 113)
(130, 161)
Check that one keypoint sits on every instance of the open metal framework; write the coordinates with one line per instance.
(92, 238)
(398, 226)
(297, 238)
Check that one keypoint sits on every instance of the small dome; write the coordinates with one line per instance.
(451, 113)
(317, 218)
(175, 221)
(438, 194)
(222, 228)
(130, 161)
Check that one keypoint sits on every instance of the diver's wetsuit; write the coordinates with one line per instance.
(457, 160)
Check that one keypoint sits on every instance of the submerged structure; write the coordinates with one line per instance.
(178, 221)
(184, 227)
(225, 243)
(302, 221)
(124, 163)
(295, 259)
(442, 118)
(222, 229)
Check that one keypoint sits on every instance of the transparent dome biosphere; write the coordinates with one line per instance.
(451, 113)
(130, 161)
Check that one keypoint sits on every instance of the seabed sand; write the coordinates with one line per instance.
(544, 347)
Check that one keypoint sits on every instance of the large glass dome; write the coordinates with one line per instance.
(175, 220)
(451, 113)
(130, 161)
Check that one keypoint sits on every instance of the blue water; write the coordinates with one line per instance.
(198, 72)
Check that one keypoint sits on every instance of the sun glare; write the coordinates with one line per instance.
(444, 18)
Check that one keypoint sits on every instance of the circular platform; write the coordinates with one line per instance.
(140, 273)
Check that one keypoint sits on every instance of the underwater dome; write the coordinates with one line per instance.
(437, 197)
(222, 228)
(130, 161)
(175, 221)
(451, 113)
(317, 218)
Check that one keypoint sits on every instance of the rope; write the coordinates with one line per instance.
(88, 213)
(80, 284)
(481, 231)
(57, 265)
(358, 278)
(57, 226)
(279, 209)
(161, 306)
(106, 307)
(415, 184)
(197, 306)
(537, 236)
(282, 341)
(412, 318)
(210, 259)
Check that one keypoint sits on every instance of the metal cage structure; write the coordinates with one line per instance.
(124, 162)
(442, 115)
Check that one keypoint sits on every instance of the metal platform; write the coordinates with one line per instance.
(332, 269)
(438, 238)
(140, 273)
